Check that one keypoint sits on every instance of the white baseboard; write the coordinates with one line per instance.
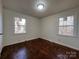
(63, 44)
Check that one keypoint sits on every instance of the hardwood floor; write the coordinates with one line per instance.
(38, 49)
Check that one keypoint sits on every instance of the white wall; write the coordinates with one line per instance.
(0, 26)
(32, 28)
(49, 29)
(44, 28)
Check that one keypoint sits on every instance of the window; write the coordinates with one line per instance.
(20, 25)
(66, 26)
(1, 25)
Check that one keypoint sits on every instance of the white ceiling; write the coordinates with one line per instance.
(51, 6)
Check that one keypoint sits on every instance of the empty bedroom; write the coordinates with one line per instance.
(39, 29)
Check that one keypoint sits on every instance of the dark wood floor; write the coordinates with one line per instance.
(38, 49)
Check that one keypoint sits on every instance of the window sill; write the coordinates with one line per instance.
(74, 36)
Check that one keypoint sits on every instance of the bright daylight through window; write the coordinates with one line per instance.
(66, 26)
(20, 25)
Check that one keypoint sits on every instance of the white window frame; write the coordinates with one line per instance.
(19, 26)
(75, 30)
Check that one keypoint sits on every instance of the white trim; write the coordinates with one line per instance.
(63, 44)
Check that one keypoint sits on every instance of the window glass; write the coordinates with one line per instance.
(66, 26)
(61, 21)
(70, 20)
(20, 25)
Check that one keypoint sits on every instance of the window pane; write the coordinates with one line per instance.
(70, 30)
(61, 21)
(70, 20)
(61, 30)
(22, 29)
(17, 21)
(22, 22)
(66, 30)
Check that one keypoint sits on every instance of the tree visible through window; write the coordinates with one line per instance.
(66, 26)
(20, 25)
